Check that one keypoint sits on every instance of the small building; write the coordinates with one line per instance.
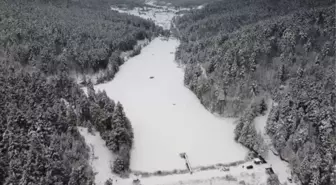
(249, 167)
(257, 161)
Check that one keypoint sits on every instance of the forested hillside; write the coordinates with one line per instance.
(238, 52)
(42, 43)
(73, 36)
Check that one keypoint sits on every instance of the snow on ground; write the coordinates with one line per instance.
(166, 116)
(161, 15)
(281, 168)
(101, 157)
(200, 7)
(255, 176)
(124, 55)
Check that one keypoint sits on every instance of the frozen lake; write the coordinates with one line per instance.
(166, 116)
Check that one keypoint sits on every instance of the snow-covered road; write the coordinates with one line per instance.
(166, 116)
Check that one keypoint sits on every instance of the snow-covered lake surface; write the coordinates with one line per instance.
(168, 119)
(166, 116)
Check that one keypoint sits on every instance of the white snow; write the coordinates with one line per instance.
(281, 168)
(163, 130)
(160, 15)
(200, 7)
(101, 157)
(94, 77)
(255, 176)
(168, 119)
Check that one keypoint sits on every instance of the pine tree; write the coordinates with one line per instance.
(263, 106)
(283, 73)
(238, 129)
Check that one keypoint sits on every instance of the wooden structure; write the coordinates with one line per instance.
(185, 157)
(269, 171)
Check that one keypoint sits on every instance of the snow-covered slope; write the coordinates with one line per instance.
(101, 157)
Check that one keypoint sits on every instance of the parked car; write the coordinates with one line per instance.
(249, 167)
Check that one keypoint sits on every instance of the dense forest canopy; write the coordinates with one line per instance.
(238, 53)
(70, 36)
(41, 43)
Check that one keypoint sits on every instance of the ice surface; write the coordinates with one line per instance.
(166, 116)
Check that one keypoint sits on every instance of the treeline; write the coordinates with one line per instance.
(246, 132)
(41, 43)
(236, 51)
(39, 140)
(73, 36)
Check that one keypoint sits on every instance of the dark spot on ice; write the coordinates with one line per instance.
(174, 104)
(151, 77)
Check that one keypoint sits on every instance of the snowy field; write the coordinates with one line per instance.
(160, 15)
(166, 116)
(101, 159)
(236, 174)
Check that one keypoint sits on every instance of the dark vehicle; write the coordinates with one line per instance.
(136, 182)
(249, 167)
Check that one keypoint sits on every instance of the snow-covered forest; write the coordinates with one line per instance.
(109, 91)
(240, 53)
(42, 44)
